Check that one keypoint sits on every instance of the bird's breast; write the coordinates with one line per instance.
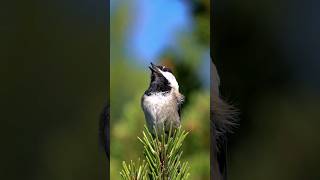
(158, 107)
(155, 102)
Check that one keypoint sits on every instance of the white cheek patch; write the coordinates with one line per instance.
(172, 80)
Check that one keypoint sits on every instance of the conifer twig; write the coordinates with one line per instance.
(163, 153)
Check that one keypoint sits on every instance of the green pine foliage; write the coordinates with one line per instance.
(163, 156)
(134, 172)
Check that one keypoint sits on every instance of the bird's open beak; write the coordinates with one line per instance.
(154, 68)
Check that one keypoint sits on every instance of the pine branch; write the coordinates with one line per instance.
(133, 172)
(162, 152)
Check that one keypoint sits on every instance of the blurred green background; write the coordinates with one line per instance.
(267, 54)
(53, 85)
(144, 32)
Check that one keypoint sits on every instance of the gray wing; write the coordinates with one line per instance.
(181, 100)
(215, 83)
(223, 117)
(104, 135)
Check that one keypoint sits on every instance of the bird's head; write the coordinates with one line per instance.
(163, 78)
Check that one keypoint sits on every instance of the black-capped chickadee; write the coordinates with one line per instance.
(161, 102)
